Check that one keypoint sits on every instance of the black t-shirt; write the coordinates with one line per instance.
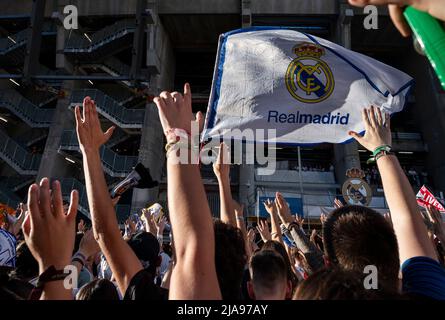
(142, 287)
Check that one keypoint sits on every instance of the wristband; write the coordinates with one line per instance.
(382, 154)
(293, 225)
(78, 260)
(384, 147)
(49, 275)
(379, 152)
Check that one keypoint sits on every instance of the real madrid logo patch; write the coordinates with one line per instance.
(355, 190)
(308, 78)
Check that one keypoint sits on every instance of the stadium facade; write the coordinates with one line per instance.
(125, 52)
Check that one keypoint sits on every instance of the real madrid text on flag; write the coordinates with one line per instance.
(308, 89)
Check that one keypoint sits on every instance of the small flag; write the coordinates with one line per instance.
(426, 198)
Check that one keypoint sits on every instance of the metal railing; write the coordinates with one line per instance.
(14, 41)
(116, 66)
(24, 109)
(69, 184)
(17, 156)
(31, 136)
(15, 183)
(69, 139)
(7, 198)
(407, 136)
(110, 108)
(115, 164)
(80, 43)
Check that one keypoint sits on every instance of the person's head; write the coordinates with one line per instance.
(146, 247)
(356, 236)
(281, 250)
(268, 276)
(99, 289)
(230, 259)
(339, 284)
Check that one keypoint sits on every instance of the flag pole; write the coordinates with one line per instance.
(301, 186)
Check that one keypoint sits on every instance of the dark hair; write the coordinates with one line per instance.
(267, 267)
(146, 247)
(26, 266)
(339, 284)
(230, 259)
(99, 289)
(281, 250)
(166, 247)
(356, 236)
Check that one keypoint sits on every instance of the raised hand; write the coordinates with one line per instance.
(49, 232)
(270, 206)
(175, 110)
(81, 226)
(338, 204)
(160, 226)
(264, 231)
(434, 7)
(15, 224)
(299, 220)
(88, 245)
(149, 220)
(314, 235)
(251, 236)
(89, 131)
(283, 209)
(239, 209)
(436, 220)
(323, 218)
(377, 126)
(221, 167)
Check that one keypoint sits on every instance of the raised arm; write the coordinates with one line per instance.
(123, 262)
(313, 255)
(221, 168)
(407, 221)
(271, 208)
(49, 234)
(239, 213)
(194, 274)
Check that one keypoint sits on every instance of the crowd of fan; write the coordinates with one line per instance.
(201, 258)
(216, 259)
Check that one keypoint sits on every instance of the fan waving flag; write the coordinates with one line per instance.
(308, 89)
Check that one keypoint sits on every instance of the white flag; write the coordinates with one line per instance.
(308, 89)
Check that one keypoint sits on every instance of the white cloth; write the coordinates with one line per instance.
(7, 249)
(308, 89)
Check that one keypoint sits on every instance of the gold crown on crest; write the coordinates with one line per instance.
(308, 50)
(355, 173)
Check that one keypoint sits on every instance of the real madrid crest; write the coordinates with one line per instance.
(355, 190)
(308, 78)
